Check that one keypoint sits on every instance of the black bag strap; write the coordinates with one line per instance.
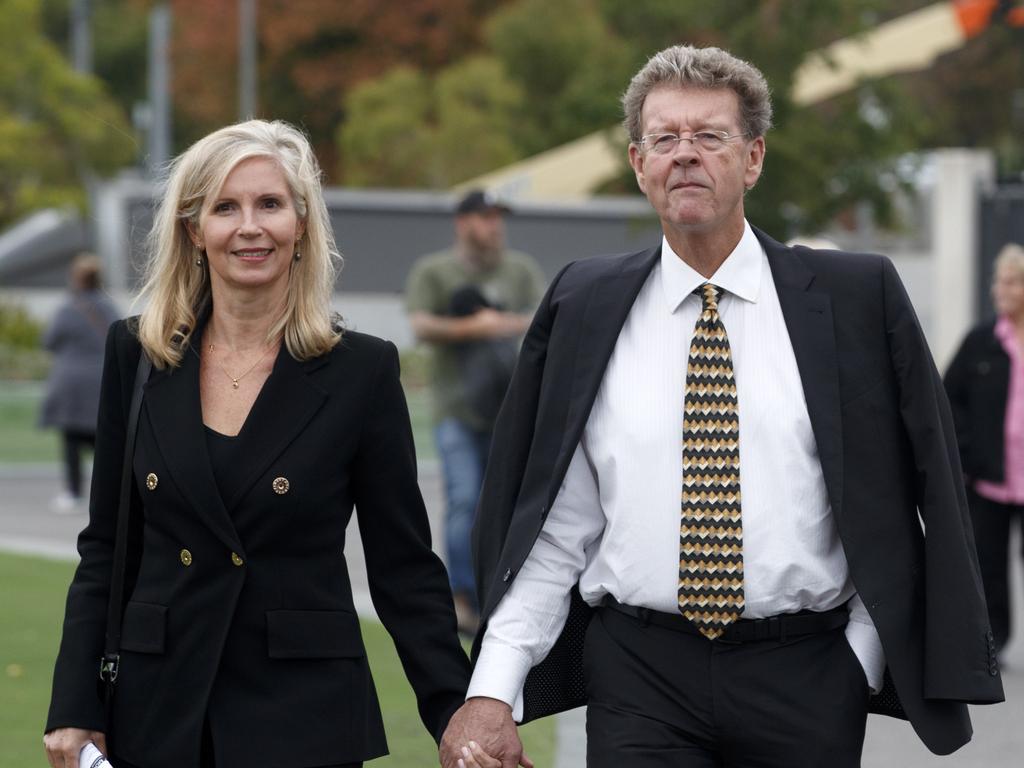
(112, 649)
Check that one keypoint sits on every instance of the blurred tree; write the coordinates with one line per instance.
(477, 106)
(56, 126)
(987, 75)
(311, 53)
(119, 32)
(386, 137)
(405, 130)
(568, 62)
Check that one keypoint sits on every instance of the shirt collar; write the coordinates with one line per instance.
(740, 273)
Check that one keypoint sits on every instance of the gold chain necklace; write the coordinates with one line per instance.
(236, 379)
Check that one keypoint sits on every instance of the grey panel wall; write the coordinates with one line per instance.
(381, 233)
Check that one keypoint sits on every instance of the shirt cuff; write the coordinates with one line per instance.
(867, 647)
(500, 673)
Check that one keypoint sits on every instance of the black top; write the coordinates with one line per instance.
(223, 450)
(977, 383)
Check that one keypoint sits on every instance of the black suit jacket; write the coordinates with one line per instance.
(978, 383)
(885, 440)
(258, 633)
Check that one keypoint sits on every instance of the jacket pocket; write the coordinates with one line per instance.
(313, 635)
(144, 627)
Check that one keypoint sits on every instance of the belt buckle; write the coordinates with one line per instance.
(730, 636)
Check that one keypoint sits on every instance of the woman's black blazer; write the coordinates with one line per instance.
(977, 382)
(240, 613)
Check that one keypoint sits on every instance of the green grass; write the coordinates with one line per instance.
(21, 441)
(33, 591)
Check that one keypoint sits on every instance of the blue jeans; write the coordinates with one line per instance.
(463, 453)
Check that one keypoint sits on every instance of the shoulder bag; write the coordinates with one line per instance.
(112, 647)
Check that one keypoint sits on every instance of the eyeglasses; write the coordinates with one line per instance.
(706, 141)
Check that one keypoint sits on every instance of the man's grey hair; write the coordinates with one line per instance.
(685, 66)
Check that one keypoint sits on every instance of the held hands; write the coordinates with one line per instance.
(64, 744)
(474, 757)
(482, 734)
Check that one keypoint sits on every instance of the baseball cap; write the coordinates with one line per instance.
(477, 200)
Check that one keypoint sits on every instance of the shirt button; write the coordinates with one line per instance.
(236, 559)
(151, 481)
(186, 558)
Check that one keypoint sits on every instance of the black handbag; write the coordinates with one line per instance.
(112, 647)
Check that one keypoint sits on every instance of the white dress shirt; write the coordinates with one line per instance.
(614, 525)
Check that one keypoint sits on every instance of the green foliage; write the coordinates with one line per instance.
(56, 126)
(17, 328)
(477, 106)
(568, 62)
(386, 139)
(404, 129)
(20, 355)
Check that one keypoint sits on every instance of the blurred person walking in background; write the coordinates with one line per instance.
(471, 303)
(76, 337)
(263, 423)
(985, 382)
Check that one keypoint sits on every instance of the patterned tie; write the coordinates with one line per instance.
(711, 531)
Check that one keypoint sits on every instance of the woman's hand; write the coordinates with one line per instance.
(64, 744)
(474, 756)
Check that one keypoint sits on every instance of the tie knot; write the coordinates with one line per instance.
(709, 295)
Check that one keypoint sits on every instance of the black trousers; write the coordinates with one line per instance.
(660, 698)
(992, 522)
(74, 444)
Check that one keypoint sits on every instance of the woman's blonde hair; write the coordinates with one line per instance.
(177, 290)
(1010, 255)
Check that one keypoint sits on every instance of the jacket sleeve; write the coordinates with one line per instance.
(408, 583)
(75, 700)
(955, 663)
(510, 450)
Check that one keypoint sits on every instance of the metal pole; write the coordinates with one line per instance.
(159, 87)
(81, 35)
(247, 85)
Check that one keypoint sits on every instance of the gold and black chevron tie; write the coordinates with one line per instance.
(711, 530)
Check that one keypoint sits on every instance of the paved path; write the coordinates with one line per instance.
(27, 525)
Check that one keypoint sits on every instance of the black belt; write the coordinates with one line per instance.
(745, 630)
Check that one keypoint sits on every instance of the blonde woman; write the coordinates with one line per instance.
(263, 424)
(985, 383)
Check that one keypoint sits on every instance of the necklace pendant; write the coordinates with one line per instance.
(234, 383)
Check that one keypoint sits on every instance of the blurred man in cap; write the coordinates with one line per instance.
(471, 303)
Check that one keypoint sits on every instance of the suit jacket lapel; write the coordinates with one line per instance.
(287, 402)
(175, 414)
(608, 305)
(285, 405)
(811, 327)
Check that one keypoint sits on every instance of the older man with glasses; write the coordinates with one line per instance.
(724, 507)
